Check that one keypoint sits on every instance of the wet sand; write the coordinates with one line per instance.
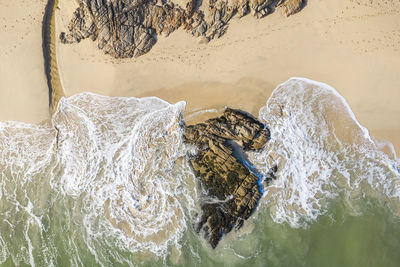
(353, 46)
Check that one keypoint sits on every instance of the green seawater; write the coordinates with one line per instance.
(335, 239)
(107, 183)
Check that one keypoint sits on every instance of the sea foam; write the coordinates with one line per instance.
(108, 177)
(113, 172)
(118, 156)
(322, 152)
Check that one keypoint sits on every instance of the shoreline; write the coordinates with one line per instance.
(351, 47)
(123, 172)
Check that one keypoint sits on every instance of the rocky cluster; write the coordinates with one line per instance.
(232, 186)
(128, 28)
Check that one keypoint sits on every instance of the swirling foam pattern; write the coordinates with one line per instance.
(113, 169)
(107, 181)
(118, 154)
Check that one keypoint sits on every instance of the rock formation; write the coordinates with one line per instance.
(128, 28)
(291, 7)
(232, 186)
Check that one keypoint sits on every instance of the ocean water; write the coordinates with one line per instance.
(106, 183)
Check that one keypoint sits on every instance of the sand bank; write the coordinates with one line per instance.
(23, 88)
(50, 55)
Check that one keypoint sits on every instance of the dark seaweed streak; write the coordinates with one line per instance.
(46, 42)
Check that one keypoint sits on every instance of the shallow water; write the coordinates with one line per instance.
(107, 183)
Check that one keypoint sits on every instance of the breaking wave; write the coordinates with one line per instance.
(323, 153)
(108, 178)
(113, 165)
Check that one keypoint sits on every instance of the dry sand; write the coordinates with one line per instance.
(23, 86)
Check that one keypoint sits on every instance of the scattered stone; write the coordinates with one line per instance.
(232, 185)
(129, 28)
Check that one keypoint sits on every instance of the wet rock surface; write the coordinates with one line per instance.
(128, 28)
(232, 186)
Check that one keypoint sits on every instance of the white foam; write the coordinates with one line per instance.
(26, 152)
(119, 160)
(3, 251)
(119, 154)
(322, 151)
(111, 172)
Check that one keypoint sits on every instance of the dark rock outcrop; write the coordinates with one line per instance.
(128, 28)
(232, 185)
(291, 7)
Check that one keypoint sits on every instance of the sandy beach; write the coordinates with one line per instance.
(353, 46)
(118, 181)
(23, 87)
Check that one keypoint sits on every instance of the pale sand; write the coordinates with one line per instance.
(23, 86)
(353, 46)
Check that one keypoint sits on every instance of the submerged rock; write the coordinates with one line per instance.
(128, 28)
(232, 185)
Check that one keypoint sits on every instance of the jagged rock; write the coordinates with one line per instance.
(291, 7)
(128, 28)
(232, 184)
